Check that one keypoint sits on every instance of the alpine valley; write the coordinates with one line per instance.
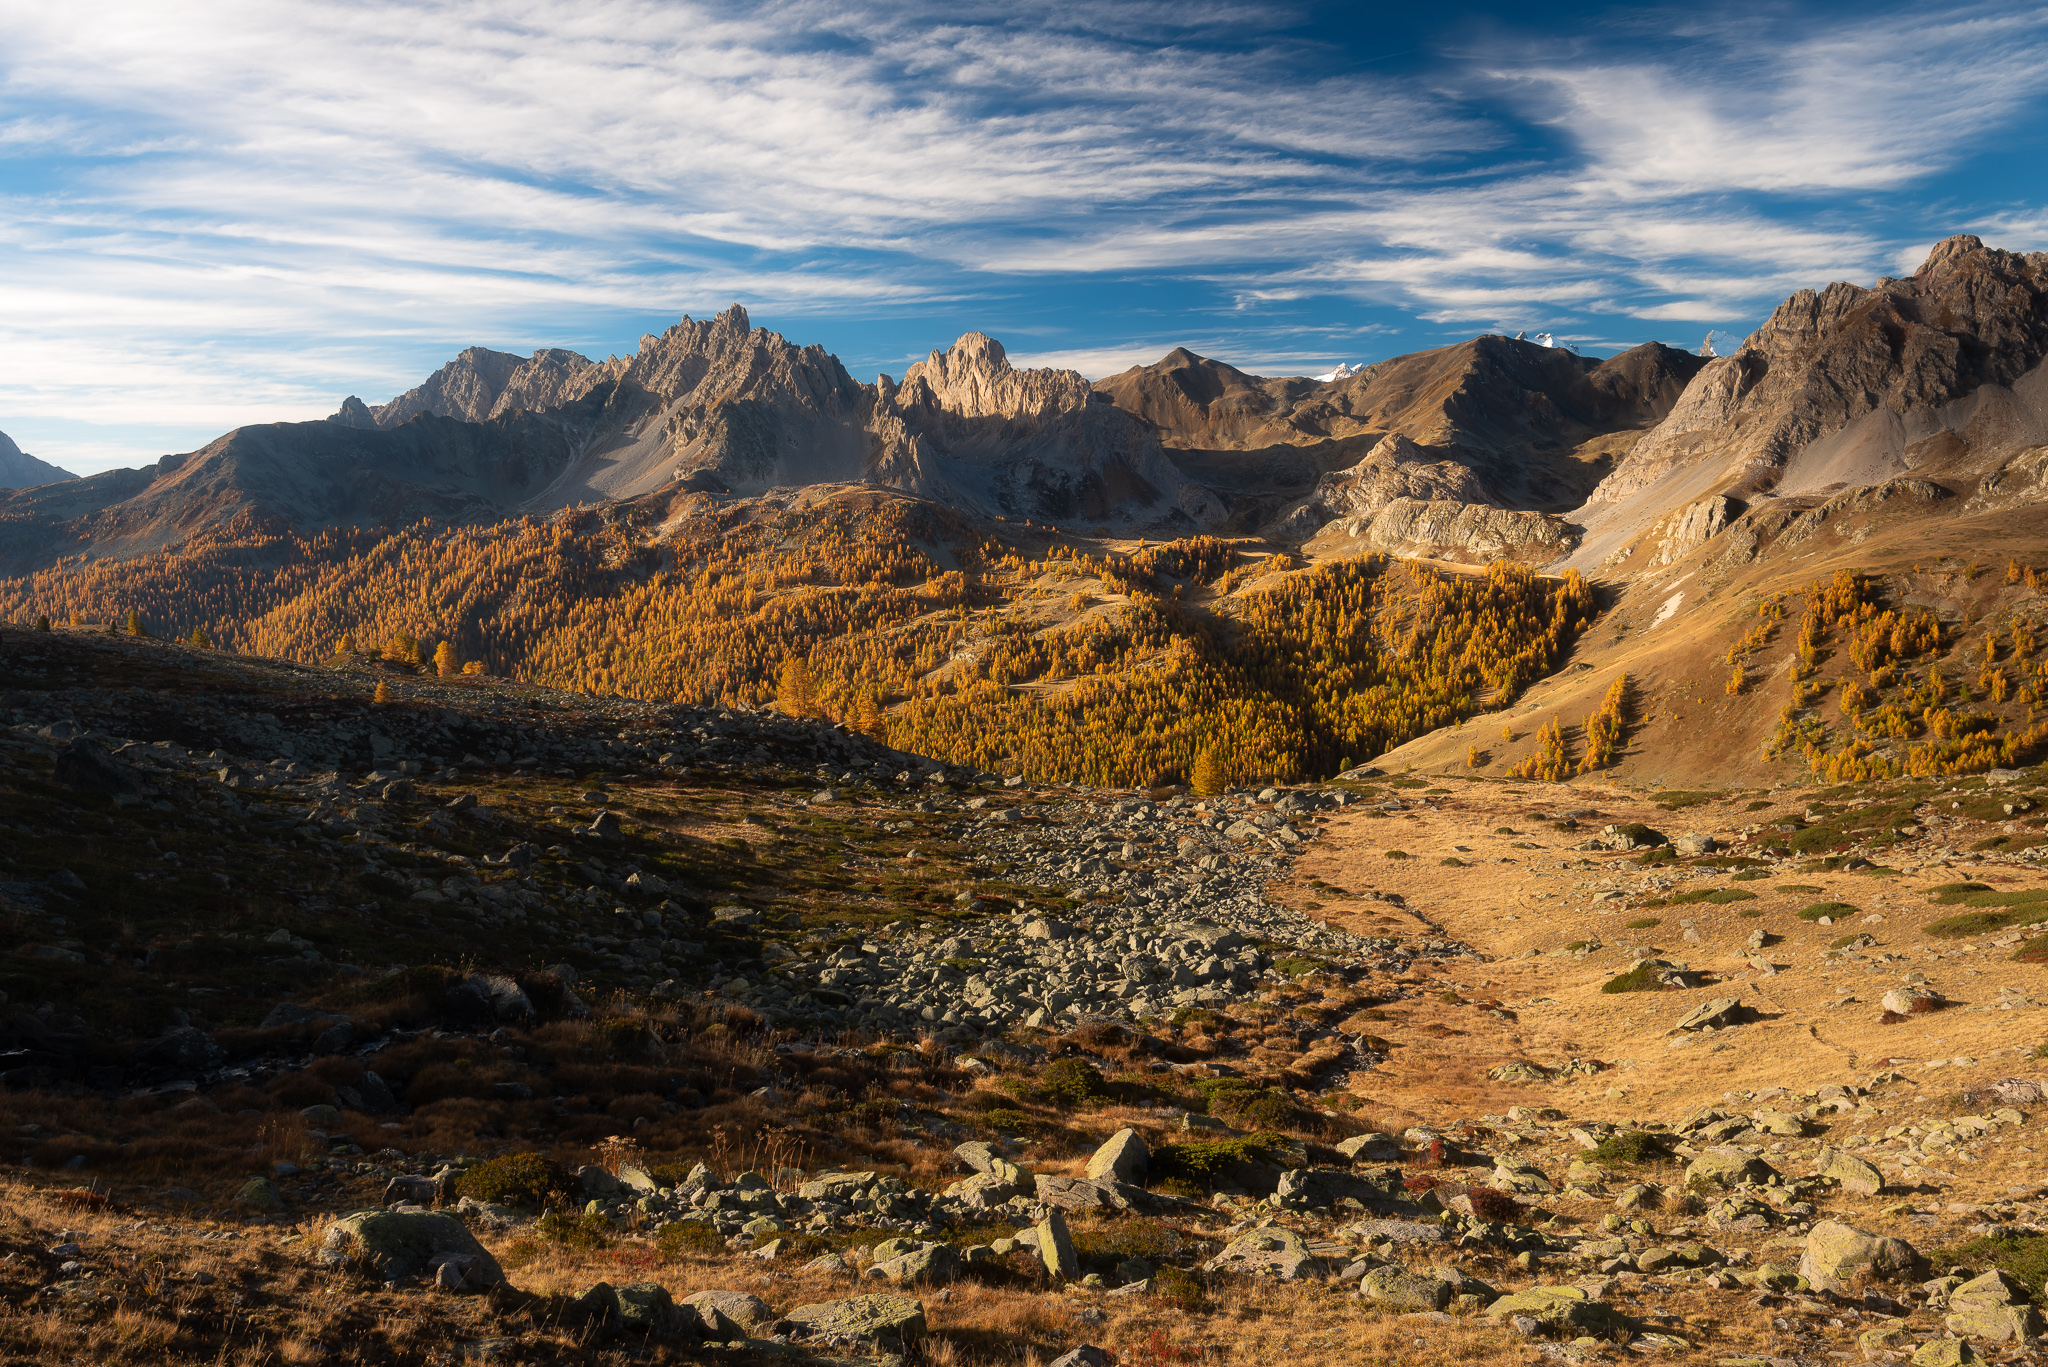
(691, 857)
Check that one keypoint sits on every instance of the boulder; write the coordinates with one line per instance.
(1056, 1248)
(889, 1323)
(259, 1192)
(184, 1049)
(1123, 1158)
(1849, 1172)
(647, 1308)
(1087, 1355)
(1399, 1289)
(1995, 1323)
(422, 1191)
(1693, 844)
(1567, 1311)
(1718, 1014)
(977, 1155)
(728, 1315)
(1074, 1193)
(933, 1263)
(399, 1244)
(1371, 1148)
(1273, 1252)
(595, 1184)
(1907, 1001)
(1946, 1353)
(835, 1186)
(1319, 1188)
(984, 1190)
(84, 766)
(1727, 1167)
(1843, 1259)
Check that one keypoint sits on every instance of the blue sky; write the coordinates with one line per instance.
(241, 212)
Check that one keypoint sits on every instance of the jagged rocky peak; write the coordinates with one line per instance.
(19, 470)
(973, 378)
(1940, 373)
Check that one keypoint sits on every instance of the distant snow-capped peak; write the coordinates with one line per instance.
(1719, 343)
(1342, 372)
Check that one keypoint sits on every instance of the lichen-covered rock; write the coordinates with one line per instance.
(728, 1315)
(1055, 1243)
(1946, 1353)
(259, 1192)
(1849, 1172)
(1995, 1323)
(1122, 1158)
(836, 1186)
(1567, 1311)
(1400, 1289)
(408, 1244)
(1273, 1252)
(1841, 1258)
(1727, 1167)
(647, 1308)
(892, 1323)
(932, 1263)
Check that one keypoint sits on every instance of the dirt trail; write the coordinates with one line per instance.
(1555, 923)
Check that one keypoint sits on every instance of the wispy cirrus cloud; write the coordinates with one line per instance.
(241, 211)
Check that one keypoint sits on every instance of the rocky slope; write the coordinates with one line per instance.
(1938, 376)
(593, 1030)
(19, 470)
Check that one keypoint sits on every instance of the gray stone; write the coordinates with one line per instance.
(891, 1323)
(1074, 1193)
(1123, 1157)
(1400, 1289)
(835, 1186)
(1719, 1013)
(1906, 1001)
(1994, 1323)
(1843, 1259)
(405, 1244)
(1056, 1248)
(1319, 1188)
(728, 1314)
(1087, 1355)
(1849, 1172)
(647, 1308)
(1946, 1353)
(932, 1263)
(1273, 1251)
(1371, 1148)
(1567, 1311)
(259, 1192)
(1727, 1167)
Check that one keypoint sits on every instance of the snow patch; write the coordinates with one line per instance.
(1664, 612)
(1719, 343)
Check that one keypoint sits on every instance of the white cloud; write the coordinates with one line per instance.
(253, 199)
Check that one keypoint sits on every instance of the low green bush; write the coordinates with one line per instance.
(1640, 979)
(1836, 910)
(516, 1179)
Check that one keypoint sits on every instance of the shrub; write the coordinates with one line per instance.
(1178, 1288)
(1497, 1206)
(689, 1238)
(1799, 889)
(624, 1038)
(1632, 1146)
(1643, 923)
(1982, 922)
(1750, 913)
(518, 1179)
(1202, 1162)
(1643, 978)
(2034, 951)
(2023, 1257)
(582, 1232)
(1071, 1084)
(1717, 896)
(1835, 910)
(1259, 1108)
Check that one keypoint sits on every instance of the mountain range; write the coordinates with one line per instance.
(19, 470)
(1491, 448)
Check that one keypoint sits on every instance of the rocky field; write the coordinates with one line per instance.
(485, 1023)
